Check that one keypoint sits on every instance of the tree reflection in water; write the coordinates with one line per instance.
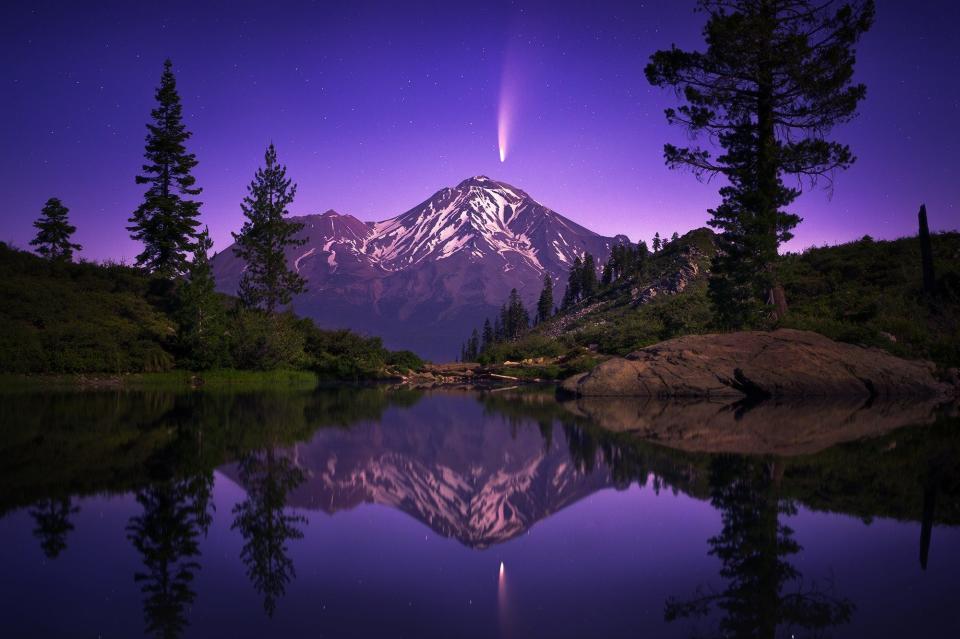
(763, 590)
(264, 523)
(175, 513)
(52, 517)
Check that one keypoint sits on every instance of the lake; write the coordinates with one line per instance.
(376, 512)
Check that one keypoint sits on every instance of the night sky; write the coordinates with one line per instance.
(375, 106)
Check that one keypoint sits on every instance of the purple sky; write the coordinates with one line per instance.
(375, 106)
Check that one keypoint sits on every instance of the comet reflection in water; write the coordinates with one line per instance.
(502, 602)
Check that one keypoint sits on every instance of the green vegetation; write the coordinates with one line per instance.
(872, 292)
(65, 318)
(865, 292)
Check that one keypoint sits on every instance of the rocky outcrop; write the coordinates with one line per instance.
(781, 363)
(688, 269)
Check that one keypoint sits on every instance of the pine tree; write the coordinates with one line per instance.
(640, 262)
(657, 244)
(472, 348)
(267, 281)
(674, 237)
(606, 277)
(588, 277)
(166, 222)
(574, 283)
(54, 232)
(488, 335)
(201, 312)
(515, 318)
(545, 302)
(498, 326)
(775, 78)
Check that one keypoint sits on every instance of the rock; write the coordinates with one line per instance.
(781, 363)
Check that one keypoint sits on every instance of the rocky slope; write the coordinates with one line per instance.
(418, 279)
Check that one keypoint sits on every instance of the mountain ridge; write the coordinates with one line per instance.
(417, 278)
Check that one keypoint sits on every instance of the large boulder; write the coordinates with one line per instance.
(781, 363)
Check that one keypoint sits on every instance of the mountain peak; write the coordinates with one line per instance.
(477, 180)
(484, 182)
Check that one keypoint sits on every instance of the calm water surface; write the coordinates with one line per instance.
(378, 513)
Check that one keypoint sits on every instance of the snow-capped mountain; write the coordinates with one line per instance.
(423, 279)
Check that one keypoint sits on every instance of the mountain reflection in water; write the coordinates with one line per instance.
(202, 488)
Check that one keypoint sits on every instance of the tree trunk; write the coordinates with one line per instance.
(926, 253)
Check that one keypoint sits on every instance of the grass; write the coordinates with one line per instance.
(167, 380)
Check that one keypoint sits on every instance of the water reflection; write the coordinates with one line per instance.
(52, 517)
(763, 591)
(481, 482)
(175, 514)
(265, 524)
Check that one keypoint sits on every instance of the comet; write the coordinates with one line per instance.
(507, 103)
(503, 121)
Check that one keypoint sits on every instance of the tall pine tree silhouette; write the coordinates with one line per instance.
(166, 221)
(54, 232)
(267, 281)
(775, 78)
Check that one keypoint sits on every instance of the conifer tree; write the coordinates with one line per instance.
(574, 283)
(643, 255)
(775, 78)
(488, 335)
(514, 317)
(268, 282)
(201, 312)
(472, 349)
(588, 277)
(606, 277)
(166, 221)
(545, 302)
(674, 237)
(54, 232)
(657, 244)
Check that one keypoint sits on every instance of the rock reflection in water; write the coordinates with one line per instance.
(778, 427)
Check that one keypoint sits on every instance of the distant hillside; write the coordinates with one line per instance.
(865, 292)
(91, 318)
